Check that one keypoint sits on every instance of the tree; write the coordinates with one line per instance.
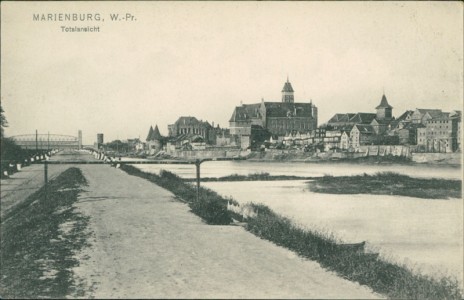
(117, 146)
(10, 151)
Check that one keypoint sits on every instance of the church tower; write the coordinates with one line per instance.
(287, 93)
(384, 110)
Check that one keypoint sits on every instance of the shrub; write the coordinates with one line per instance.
(211, 210)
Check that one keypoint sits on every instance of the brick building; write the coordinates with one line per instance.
(278, 118)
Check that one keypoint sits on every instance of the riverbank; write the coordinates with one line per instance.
(397, 281)
(444, 159)
(393, 280)
(365, 156)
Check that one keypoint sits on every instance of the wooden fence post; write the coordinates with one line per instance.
(197, 164)
(46, 172)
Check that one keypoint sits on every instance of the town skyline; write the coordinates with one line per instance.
(187, 59)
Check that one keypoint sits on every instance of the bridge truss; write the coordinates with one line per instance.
(47, 141)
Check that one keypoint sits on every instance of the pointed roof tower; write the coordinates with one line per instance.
(287, 92)
(384, 103)
(156, 135)
(150, 133)
(384, 110)
(287, 87)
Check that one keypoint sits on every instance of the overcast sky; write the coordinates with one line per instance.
(203, 58)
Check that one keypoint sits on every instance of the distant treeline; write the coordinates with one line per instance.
(12, 155)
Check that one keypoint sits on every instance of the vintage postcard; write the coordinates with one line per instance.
(199, 149)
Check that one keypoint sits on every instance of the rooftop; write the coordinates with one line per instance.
(384, 103)
(288, 87)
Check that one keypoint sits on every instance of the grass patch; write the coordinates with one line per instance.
(211, 207)
(387, 159)
(388, 183)
(259, 176)
(392, 280)
(36, 254)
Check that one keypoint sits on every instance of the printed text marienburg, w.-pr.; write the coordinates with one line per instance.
(76, 17)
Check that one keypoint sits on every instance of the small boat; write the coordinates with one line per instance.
(356, 247)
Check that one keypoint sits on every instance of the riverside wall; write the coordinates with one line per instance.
(216, 153)
(298, 155)
(386, 150)
(445, 158)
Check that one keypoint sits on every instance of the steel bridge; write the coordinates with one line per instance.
(47, 141)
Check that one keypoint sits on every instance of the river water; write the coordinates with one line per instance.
(425, 234)
(223, 168)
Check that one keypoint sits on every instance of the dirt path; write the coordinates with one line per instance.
(22, 184)
(147, 245)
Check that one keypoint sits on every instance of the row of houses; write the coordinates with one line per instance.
(430, 130)
(295, 124)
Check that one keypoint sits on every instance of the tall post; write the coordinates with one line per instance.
(197, 165)
(46, 172)
(36, 141)
(48, 141)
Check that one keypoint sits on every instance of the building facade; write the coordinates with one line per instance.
(423, 115)
(278, 118)
(441, 133)
(192, 126)
(362, 135)
(345, 140)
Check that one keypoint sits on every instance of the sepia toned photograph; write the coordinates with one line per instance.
(231, 150)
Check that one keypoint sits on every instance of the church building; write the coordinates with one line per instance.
(278, 118)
